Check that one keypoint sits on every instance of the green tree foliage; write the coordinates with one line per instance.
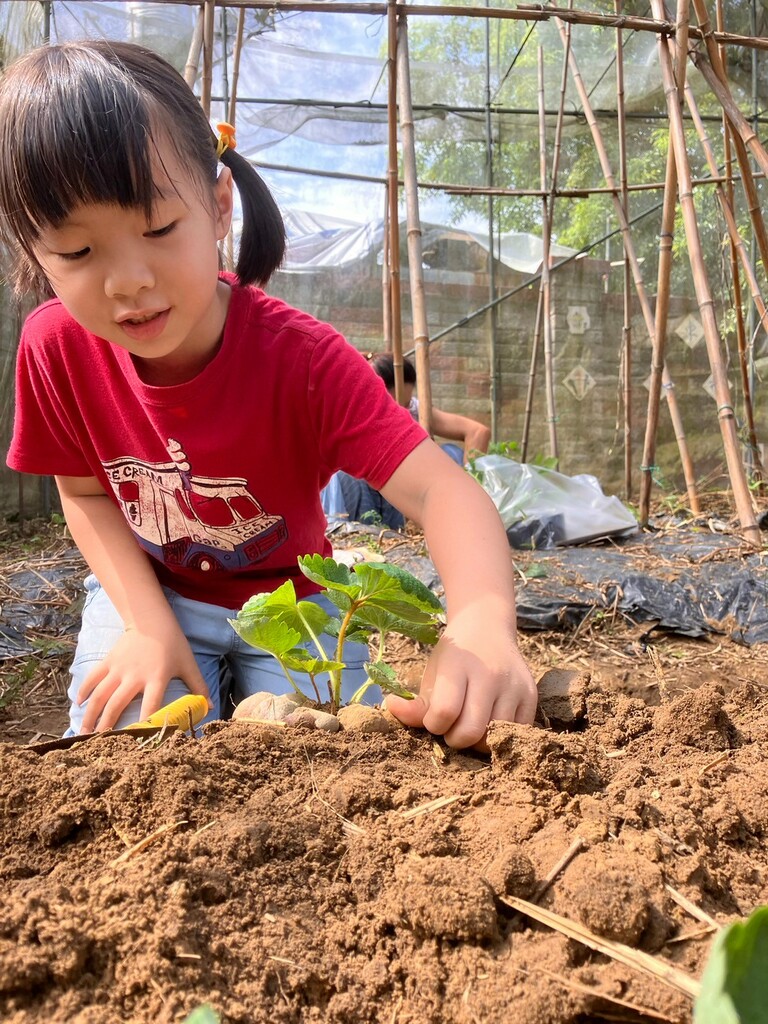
(449, 57)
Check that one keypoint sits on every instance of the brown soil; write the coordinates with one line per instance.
(290, 876)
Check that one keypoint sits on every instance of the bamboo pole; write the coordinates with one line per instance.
(535, 347)
(236, 55)
(741, 131)
(523, 12)
(544, 284)
(726, 206)
(392, 193)
(739, 254)
(386, 282)
(492, 318)
(483, 190)
(629, 249)
(208, 33)
(659, 375)
(742, 498)
(415, 251)
(626, 330)
(193, 58)
(745, 350)
(232, 106)
(552, 192)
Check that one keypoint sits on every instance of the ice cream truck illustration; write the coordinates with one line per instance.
(197, 522)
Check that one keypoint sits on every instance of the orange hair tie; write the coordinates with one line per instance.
(226, 138)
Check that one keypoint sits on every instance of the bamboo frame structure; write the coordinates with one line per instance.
(707, 56)
(660, 377)
(725, 413)
(629, 249)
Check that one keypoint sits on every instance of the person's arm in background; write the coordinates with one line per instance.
(474, 437)
(153, 650)
(476, 672)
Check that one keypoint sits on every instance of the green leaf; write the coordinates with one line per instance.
(734, 986)
(535, 571)
(203, 1015)
(268, 635)
(300, 660)
(408, 588)
(386, 622)
(306, 617)
(385, 677)
(328, 573)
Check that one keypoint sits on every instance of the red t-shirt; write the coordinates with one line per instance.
(219, 477)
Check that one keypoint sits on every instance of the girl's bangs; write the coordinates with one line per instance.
(88, 148)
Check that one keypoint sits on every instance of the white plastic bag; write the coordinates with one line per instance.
(543, 508)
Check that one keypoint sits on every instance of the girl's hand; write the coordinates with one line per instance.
(474, 675)
(141, 662)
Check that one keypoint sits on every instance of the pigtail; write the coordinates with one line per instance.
(262, 243)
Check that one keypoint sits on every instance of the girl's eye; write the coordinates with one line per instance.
(73, 255)
(160, 232)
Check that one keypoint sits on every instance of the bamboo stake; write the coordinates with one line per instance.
(193, 58)
(392, 193)
(386, 283)
(544, 284)
(629, 249)
(238, 50)
(714, 74)
(532, 376)
(626, 331)
(540, 304)
(726, 417)
(746, 351)
(659, 375)
(739, 250)
(415, 252)
(209, 12)
(716, 79)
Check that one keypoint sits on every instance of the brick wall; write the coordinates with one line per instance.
(587, 345)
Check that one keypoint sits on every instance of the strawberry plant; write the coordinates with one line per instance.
(372, 599)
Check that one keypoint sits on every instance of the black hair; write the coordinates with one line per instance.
(80, 123)
(384, 365)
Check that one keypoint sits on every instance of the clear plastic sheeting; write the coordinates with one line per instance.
(542, 508)
(692, 583)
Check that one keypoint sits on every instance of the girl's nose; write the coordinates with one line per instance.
(128, 275)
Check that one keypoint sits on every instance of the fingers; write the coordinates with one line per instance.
(111, 686)
(459, 697)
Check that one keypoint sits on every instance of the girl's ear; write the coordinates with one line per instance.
(223, 199)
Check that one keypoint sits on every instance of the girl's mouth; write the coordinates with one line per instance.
(145, 328)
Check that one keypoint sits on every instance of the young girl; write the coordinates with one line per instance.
(191, 420)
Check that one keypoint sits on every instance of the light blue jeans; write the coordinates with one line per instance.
(216, 647)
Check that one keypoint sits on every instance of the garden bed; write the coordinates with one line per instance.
(286, 875)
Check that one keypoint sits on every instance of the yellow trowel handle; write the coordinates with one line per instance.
(184, 713)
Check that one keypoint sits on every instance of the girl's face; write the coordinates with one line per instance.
(150, 288)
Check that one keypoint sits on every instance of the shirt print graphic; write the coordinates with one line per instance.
(212, 524)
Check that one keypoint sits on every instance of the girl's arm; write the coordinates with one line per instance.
(474, 436)
(152, 650)
(475, 673)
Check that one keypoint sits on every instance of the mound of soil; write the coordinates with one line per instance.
(284, 875)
